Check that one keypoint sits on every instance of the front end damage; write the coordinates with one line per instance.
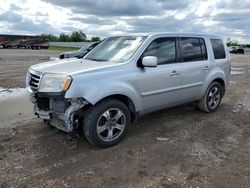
(57, 111)
(53, 107)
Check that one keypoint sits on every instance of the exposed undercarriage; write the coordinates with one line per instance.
(58, 111)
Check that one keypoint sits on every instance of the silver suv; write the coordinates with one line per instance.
(127, 76)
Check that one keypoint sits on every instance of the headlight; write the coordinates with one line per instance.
(54, 82)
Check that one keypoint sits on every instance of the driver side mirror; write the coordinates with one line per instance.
(149, 61)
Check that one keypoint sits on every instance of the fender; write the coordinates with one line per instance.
(94, 91)
(217, 73)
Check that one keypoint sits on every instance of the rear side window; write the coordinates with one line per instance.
(218, 49)
(193, 49)
(164, 49)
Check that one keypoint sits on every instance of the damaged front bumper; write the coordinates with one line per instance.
(59, 112)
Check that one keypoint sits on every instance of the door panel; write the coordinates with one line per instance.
(194, 67)
(193, 77)
(159, 87)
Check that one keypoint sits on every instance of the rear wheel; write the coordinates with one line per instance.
(106, 123)
(212, 98)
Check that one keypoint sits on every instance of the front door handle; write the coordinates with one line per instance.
(174, 73)
(206, 68)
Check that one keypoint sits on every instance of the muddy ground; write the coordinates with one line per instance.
(198, 149)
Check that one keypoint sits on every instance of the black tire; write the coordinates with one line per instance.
(96, 114)
(207, 100)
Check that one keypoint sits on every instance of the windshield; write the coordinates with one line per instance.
(116, 49)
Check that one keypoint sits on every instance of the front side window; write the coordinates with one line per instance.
(193, 49)
(115, 49)
(164, 49)
(218, 49)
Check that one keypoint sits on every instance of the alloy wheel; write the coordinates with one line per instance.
(111, 124)
(214, 97)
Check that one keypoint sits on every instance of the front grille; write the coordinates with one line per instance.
(34, 80)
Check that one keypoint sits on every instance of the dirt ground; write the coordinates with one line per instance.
(198, 149)
(14, 64)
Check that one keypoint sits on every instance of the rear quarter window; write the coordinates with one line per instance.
(218, 49)
(193, 49)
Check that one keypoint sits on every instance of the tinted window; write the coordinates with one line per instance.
(218, 49)
(193, 49)
(164, 49)
(203, 49)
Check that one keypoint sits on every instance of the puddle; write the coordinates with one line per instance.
(7, 93)
(237, 68)
(15, 106)
(233, 73)
(232, 82)
(237, 71)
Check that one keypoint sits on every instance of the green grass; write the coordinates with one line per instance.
(62, 48)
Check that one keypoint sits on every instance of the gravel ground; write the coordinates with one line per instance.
(178, 147)
(14, 64)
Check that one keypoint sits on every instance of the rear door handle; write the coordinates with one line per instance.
(206, 68)
(174, 73)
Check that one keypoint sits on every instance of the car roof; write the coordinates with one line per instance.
(174, 34)
(185, 34)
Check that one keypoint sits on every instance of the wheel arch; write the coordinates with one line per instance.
(221, 82)
(127, 101)
(219, 77)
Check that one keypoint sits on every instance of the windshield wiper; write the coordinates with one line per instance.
(95, 59)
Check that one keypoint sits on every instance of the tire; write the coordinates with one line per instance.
(100, 126)
(212, 98)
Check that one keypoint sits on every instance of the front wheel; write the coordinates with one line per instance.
(212, 98)
(106, 123)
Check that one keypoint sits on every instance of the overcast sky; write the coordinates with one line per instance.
(229, 18)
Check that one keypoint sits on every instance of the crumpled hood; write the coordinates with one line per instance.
(70, 66)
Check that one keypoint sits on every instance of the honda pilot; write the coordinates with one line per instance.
(128, 76)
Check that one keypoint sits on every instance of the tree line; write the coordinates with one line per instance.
(79, 36)
(75, 36)
(236, 43)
